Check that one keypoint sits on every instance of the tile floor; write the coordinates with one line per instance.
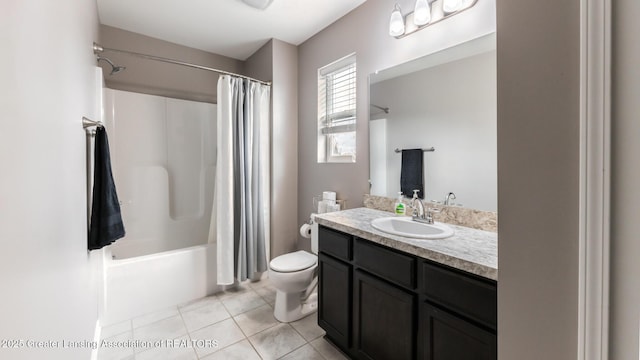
(236, 324)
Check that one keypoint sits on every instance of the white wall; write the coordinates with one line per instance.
(47, 84)
(451, 107)
(625, 183)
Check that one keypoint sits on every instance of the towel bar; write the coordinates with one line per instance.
(87, 123)
(431, 149)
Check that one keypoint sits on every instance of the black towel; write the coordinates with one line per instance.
(412, 173)
(106, 221)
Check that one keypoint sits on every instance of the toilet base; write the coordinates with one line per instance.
(290, 306)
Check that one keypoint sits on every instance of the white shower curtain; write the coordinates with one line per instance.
(241, 204)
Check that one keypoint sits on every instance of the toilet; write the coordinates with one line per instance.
(295, 279)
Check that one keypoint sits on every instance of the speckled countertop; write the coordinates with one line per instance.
(471, 250)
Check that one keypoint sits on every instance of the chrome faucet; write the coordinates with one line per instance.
(420, 208)
(423, 216)
(450, 196)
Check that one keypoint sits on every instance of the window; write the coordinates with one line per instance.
(337, 111)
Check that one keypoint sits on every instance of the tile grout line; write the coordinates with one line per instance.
(232, 317)
(243, 332)
(217, 322)
(184, 323)
(306, 343)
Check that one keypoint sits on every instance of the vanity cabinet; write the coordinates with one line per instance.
(335, 286)
(445, 336)
(458, 315)
(379, 303)
(334, 291)
(384, 326)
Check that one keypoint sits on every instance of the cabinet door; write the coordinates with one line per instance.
(334, 303)
(384, 325)
(445, 336)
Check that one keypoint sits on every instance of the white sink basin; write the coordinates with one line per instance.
(404, 226)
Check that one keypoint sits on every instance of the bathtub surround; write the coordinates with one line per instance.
(457, 215)
(164, 165)
(242, 196)
(106, 221)
(163, 153)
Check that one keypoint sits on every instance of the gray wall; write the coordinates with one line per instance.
(48, 83)
(157, 78)
(625, 190)
(538, 159)
(365, 32)
(278, 61)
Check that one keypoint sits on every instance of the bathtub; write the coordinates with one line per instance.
(140, 285)
(163, 154)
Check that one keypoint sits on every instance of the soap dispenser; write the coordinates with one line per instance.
(400, 207)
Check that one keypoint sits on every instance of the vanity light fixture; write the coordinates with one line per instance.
(449, 6)
(396, 23)
(421, 13)
(425, 13)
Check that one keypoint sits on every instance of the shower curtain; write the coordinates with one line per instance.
(241, 206)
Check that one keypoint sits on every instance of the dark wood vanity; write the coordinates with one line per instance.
(379, 303)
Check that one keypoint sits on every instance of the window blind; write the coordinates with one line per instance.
(337, 99)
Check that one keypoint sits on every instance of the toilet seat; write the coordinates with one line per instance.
(295, 261)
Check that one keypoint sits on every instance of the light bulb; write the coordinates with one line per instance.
(396, 22)
(450, 6)
(421, 13)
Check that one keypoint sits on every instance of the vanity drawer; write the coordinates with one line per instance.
(334, 243)
(386, 263)
(467, 295)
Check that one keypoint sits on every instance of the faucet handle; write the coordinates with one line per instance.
(429, 214)
(415, 193)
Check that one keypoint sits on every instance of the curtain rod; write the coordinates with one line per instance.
(97, 48)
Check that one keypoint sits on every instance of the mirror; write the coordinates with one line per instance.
(446, 100)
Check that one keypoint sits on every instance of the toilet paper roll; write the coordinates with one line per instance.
(329, 195)
(305, 231)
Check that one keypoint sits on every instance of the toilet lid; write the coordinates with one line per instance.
(294, 261)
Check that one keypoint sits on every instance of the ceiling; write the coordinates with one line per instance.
(226, 27)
